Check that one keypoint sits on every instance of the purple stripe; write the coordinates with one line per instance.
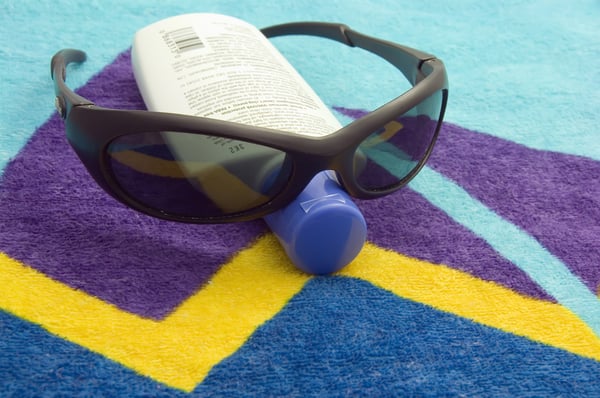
(407, 223)
(57, 220)
(553, 196)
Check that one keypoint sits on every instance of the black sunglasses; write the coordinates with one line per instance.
(135, 156)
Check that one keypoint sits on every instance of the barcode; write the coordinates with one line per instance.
(185, 39)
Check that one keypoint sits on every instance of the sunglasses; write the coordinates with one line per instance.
(157, 163)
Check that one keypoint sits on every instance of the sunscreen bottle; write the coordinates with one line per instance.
(217, 66)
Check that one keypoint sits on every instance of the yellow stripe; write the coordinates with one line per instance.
(484, 302)
(212, 324)
(152, 165)
(225, 189)
(179, 350)
(390, 129)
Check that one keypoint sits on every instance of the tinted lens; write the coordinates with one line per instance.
(199, 176)
(397, 150)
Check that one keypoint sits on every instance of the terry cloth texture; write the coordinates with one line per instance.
(481, 278)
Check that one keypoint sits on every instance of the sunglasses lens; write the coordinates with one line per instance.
(397, 150)
(197, 176)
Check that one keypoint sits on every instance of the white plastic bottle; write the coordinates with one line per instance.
(217, 66)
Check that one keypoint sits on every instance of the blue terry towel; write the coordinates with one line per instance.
(479, 278)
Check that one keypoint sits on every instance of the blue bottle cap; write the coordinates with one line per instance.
(322, 230)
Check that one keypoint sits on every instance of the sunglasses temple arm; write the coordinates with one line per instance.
(333, 31)
(66, 98)
(406, 59)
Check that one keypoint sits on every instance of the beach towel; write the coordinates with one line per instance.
(479, 278)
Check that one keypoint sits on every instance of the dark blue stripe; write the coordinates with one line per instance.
(34, 363)
(343, 337)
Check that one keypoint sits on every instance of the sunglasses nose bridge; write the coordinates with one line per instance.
(306, 166)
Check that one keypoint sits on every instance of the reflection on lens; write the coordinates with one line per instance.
(194, 175)
(398, 148)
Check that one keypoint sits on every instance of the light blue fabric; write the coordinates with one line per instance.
(513, 243)
(522, 71)
(509, 240)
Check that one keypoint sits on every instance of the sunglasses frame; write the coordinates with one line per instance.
(90, 128)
